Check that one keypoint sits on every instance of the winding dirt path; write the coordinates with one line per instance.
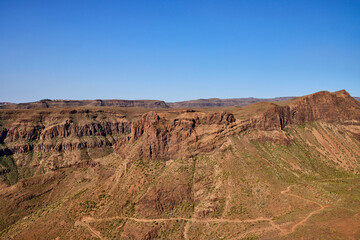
(321, 207)
(85, 221)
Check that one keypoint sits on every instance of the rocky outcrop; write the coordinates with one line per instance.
(50, 147)
(325, 106)
(22, 132)
(154, 135)
(22, 138)
(276, 117)
(158, 137)
(46, 131)
(92, 129)
(330, 107)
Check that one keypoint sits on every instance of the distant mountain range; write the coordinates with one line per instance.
(47, 103)
(199, 103)
(217, 102)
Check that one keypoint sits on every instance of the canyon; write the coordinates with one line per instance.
(285, 168)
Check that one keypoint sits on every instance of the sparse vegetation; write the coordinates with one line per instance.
(89, 205)
(221, 181)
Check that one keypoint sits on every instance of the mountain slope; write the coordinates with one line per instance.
(267, 171)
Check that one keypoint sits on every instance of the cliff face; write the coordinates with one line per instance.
(38, 141)
(324, 106)
(162, 135)
(161, 138)
(40, 136)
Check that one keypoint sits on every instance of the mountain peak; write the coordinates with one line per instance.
(342, 93)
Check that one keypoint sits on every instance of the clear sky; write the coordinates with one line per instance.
(177, 50)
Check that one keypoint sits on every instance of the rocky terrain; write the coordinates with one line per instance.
(199, 103)
(269, 170)
(48, 103)
(217, 102)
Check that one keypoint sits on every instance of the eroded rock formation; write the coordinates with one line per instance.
(159, 137)
(164, 135)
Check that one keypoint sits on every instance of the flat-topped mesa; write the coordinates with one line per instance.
(47, 103)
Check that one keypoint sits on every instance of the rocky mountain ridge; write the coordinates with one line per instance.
(217, 102)
(162, 135)
(282, 170)
(199, 103)
(48, 103)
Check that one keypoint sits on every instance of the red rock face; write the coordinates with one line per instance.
(28, 133)
(329, 107)
(163, 138)
(324, 106)
(156, 136)
(233, 168)
(92, 129)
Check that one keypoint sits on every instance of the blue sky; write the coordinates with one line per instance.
(177, 50)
